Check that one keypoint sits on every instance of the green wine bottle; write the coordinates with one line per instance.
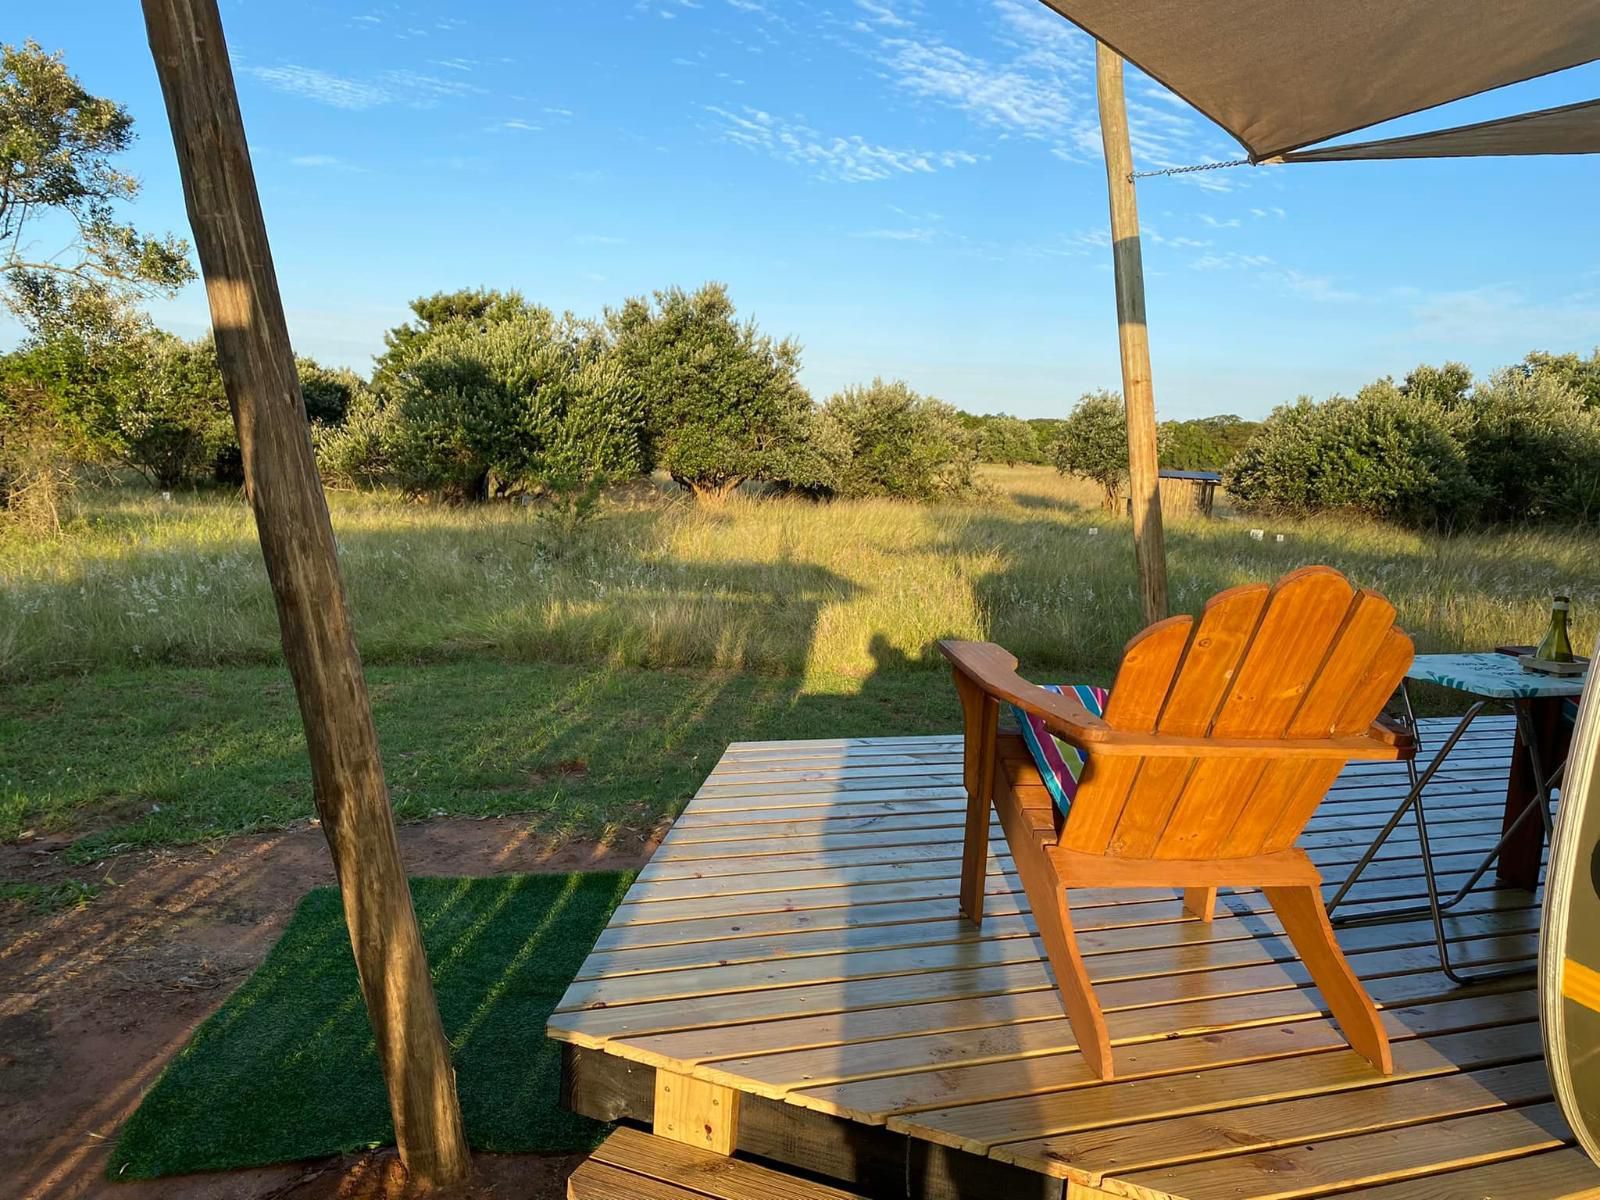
(1556, 647)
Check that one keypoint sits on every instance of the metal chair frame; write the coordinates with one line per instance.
(1541, 802)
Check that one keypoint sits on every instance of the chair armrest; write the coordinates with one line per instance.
(995, 671)
(1391, 732)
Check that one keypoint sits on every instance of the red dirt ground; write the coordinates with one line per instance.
(93, 1001)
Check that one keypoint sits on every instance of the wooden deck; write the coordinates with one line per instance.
(792, 956)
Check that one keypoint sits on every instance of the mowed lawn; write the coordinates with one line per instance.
(591, 680)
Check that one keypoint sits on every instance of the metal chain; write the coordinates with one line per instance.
(1211, 166)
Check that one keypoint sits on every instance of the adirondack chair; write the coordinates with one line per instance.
(1220, 737)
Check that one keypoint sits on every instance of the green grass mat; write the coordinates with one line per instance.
(287, 1070)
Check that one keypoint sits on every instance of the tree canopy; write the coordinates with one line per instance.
(1093, 444)
(722, 400)
(79, 269)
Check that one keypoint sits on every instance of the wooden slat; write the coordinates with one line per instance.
(1215, 648)
(1564, 1174)
(978, 1127)
(697, 1173)
(1143, 681)
(1284, 659)
(1368, 1159)
(1259, 1127)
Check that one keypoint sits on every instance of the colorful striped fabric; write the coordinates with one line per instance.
(1060, 763)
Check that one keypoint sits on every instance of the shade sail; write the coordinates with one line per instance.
(1570, 129)
(1280, 75)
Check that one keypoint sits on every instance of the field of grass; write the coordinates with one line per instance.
(778, 587)
(592, 682)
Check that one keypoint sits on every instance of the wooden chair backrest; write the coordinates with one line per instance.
(1307, 658)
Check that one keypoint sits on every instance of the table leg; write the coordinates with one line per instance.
(1519, 860)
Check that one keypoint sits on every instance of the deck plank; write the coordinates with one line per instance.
(797, 937)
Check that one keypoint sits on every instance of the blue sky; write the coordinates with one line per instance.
(911, 188)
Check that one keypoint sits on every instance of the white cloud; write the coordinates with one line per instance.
(412, 88)
(880, 13)
(423, 90)
(1313, 287)
(897, 235)
(331, 162)
(309, 83)
(850, 159)
(1230, 223)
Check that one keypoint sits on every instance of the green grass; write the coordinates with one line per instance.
(593, 685)
(767, 585)
(157, 757)
(286, 1069)
(47, 897)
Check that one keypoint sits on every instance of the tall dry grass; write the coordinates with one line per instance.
(779, 586)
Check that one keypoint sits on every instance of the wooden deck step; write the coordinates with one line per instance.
(632, 1165)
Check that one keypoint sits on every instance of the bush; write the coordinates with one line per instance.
(172, 419)
(329, 391)
(723, 401)
(523, 402)
(1383, 453)
(813, 462)
(35, 470)
(899, 443)
(1534, 445)
(355, 453)
(1005, 439)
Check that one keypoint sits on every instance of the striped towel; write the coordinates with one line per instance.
(1060, 763)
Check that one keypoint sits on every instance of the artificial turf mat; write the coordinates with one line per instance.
(287, 1069)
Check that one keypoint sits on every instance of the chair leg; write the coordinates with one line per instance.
(1048, 900)
(974, 856)
(1200, 902)
(1306, 922)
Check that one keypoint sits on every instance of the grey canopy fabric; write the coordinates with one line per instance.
(1280, 75)
(1570, 129)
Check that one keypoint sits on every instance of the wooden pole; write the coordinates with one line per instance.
(297, 542)
(1149, 549)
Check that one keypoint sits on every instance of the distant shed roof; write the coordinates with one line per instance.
(1197, 476)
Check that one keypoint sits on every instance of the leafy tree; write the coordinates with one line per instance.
(1206, 443)
(1094, 444)
(1580, 375)
(328, 391)
(813, 462)
(478, 308)
(723, 401)
(1007, 439)
(900, 443)
(524, 401)
(1384, 453)
(1534, 445)
(171, 416)
(56, 146)
(1047, 432)
(1447, 386)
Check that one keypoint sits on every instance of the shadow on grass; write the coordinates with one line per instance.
(286, 1069)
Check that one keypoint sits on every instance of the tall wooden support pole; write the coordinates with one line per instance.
(1149, 547)
(297, 541)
